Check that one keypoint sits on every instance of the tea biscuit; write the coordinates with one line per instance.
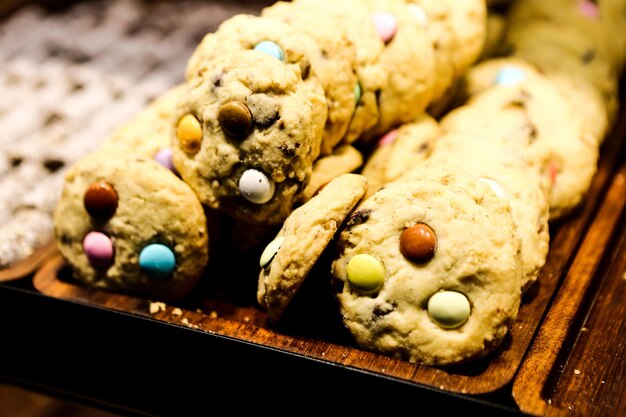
(245, 141)
(306, 233)
(415, 282)
(118, 227)
(293, 46)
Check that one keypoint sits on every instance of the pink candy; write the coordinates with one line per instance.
(589, 9)
(389, 138)
(98, 249)
(386, 25)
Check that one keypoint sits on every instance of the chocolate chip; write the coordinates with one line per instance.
(358, 217)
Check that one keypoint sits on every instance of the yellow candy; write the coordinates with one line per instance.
(189, 133)
(365, 273)
(449, 309)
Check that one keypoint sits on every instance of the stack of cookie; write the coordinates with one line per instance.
(432, 266)
(272, 107)
(445, 227)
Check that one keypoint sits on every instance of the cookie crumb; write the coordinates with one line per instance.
(576, 372)
(213, 314)
(177, 312)
(157, 306)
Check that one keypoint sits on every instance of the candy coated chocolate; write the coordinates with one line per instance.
(100, 200)
(270, 251)
(256, 187)
(270, 48)
(235, 119)
(99, 249)
(386, 25)
(157, 261)
(365, 273)
(164, 157)
(189, 133)
(449, 309)
(510, 76)
(418, 243)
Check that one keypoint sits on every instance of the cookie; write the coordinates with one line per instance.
(399, 150)
(242, 32)
(118, 227)
(415, 283)
(571, 18)
(389, 39)
(525, 189)
(148, 133)
(588, 66)
(245, 141)
(345, 159)
(288, 259)
(541, 128)
(328, 26)
(513, 70)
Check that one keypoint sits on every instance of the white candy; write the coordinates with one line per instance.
(270, 251)
(494, 185)
(256, 187)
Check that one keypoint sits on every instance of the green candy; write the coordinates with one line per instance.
(449, 309)
(365, 273)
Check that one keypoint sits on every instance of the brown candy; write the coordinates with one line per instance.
(418, 243)
(100, 200)
(235, 119)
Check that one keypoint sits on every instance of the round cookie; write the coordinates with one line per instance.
(587, 67)
(542, 128)
(118, 227)
(306, 233)
(245, 141)
(345, 159)
(584, 17)
(525, 189)
(149, 132)
(416, 239)
(389, 40)
(286, 43)
(513, 71)
(330, 30)
(399, 150)
(408, 88)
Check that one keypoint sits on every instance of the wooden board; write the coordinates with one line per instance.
(577, 363)
(324, 339)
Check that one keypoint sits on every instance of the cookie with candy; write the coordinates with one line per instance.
(118, 225)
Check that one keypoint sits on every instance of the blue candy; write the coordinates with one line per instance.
(157, 261)
(270, 48)
(510, 76)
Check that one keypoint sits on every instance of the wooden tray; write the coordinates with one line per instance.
(577, 363)
(566, 277)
